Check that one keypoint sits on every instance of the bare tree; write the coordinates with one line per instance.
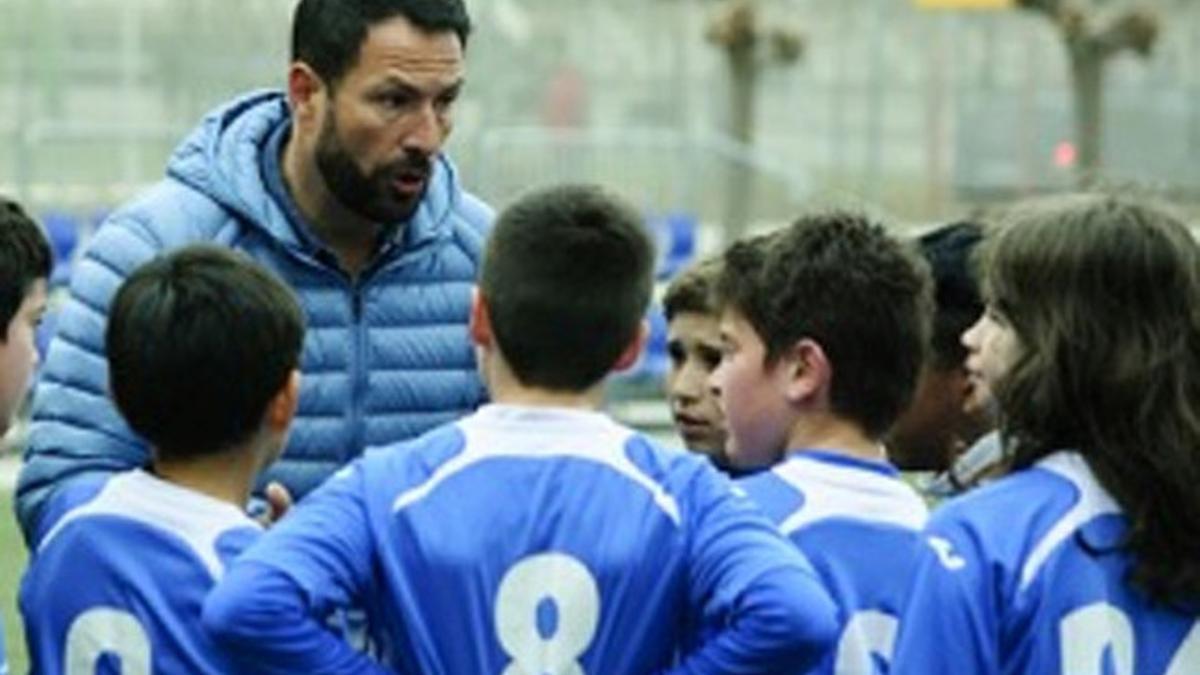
(1093, 35)
(749, 47)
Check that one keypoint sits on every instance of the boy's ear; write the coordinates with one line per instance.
(480, 324)
(808, 372)
(282, 408)
(634, 349)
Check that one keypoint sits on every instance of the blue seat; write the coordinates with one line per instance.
(675, 234)
(63, 231)
(654, 361)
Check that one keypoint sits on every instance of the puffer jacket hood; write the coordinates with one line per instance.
(222, 156)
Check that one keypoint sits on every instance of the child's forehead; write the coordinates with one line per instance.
(692, 320)
(735, 323)
(730, 314)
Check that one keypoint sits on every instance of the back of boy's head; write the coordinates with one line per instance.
(24, 258)
(566, 277)
(840, 280)
(949, 250)
(199, 342)
(693, 290)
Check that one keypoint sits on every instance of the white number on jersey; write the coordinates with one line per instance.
(532, 581)
(1087, 633)
(105, 630)
(868, 632)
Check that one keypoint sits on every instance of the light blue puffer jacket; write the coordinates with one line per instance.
(386, 356)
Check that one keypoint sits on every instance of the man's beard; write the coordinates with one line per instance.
(376, 196)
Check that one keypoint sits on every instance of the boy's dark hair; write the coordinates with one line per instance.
(24, 258)
(567, 277)
(958, 305)
(198, 343)
(1103, 295)
(693, 290)
(842, 281)
(328, 34)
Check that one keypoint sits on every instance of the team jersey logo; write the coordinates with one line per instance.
(945, 553)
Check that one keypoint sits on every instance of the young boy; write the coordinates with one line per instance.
(694, 347)
(203, 347)
(942, 420)
(24, 269)
(536, 535)
(823, 328)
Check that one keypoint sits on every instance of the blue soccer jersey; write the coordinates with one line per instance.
(1028, 575)
(119, 577)
(3, 654)
(527, 540)
(858, 524)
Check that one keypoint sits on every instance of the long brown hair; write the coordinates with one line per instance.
(1103, 293)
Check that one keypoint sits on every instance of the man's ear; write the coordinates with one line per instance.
(634, 349)
(306, 92)
(282, 407)
(480, 324)
(808, 371)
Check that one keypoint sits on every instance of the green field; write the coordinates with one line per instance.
(12, 564)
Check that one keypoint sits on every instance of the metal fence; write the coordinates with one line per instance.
(915, 111)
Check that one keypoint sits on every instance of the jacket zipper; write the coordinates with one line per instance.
(358, 370)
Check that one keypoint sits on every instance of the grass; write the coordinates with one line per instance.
(12, 566)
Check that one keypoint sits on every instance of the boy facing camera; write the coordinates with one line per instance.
(694, 348)
(536, 535)
(203, 348)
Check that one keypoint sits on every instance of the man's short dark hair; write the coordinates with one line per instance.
(693, 290)
(198, 343)
(328, 34)
(567, 277)
(24, 258)
(842, 281)
(948, 250)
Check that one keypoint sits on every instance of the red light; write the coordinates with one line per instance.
(1065, 155)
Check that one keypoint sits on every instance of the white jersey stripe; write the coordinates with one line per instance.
(497, 432)
(1094, 501)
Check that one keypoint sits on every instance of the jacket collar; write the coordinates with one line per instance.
(231, 154)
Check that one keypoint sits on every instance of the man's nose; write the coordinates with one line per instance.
(426, 132)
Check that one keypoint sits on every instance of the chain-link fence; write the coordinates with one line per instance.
(914, 110)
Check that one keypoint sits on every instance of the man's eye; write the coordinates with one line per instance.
(395, 101)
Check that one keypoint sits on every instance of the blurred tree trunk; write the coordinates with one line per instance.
(749, 49)
(743, 108)
(1092, 36)
(1087, 81)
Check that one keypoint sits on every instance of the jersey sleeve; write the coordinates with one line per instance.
(760, 605)
(950, 621)
(270, 608)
